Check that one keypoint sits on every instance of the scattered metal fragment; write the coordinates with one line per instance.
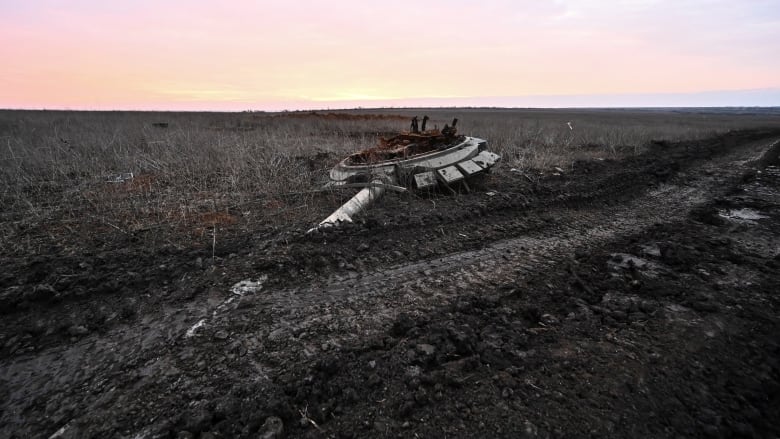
(414, 160)
(191, 332)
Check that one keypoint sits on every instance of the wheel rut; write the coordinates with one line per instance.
(509, 259)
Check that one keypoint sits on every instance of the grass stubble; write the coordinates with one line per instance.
(66, 185)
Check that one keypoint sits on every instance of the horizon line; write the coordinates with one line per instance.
(410, 107)
(745, 98)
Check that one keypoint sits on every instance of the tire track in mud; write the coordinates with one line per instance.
(503, 260)
(355, 306)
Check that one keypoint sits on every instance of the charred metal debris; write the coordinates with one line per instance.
(417, 159)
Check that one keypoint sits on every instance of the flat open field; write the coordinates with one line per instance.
(616, 275)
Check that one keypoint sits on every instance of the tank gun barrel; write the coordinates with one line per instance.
(360, 202)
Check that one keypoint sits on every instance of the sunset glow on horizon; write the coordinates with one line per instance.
(200, 55)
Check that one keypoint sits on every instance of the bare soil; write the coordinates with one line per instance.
(620, 298)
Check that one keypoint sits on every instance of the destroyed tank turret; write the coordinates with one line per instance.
(412, 160)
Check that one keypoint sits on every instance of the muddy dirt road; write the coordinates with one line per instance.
(633, 298)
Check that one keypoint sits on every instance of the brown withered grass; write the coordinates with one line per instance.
(193, 173)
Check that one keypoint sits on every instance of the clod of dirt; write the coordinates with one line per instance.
(426, 349)
(77, 330)
(402, 325)
(197, 419)
(272, 428)
(40, 293)
(549, 319)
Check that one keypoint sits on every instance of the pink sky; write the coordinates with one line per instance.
(239, 55)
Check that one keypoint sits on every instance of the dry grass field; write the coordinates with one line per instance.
(614, 276)
(192, 168)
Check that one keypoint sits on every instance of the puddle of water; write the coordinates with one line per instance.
(742, 215)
